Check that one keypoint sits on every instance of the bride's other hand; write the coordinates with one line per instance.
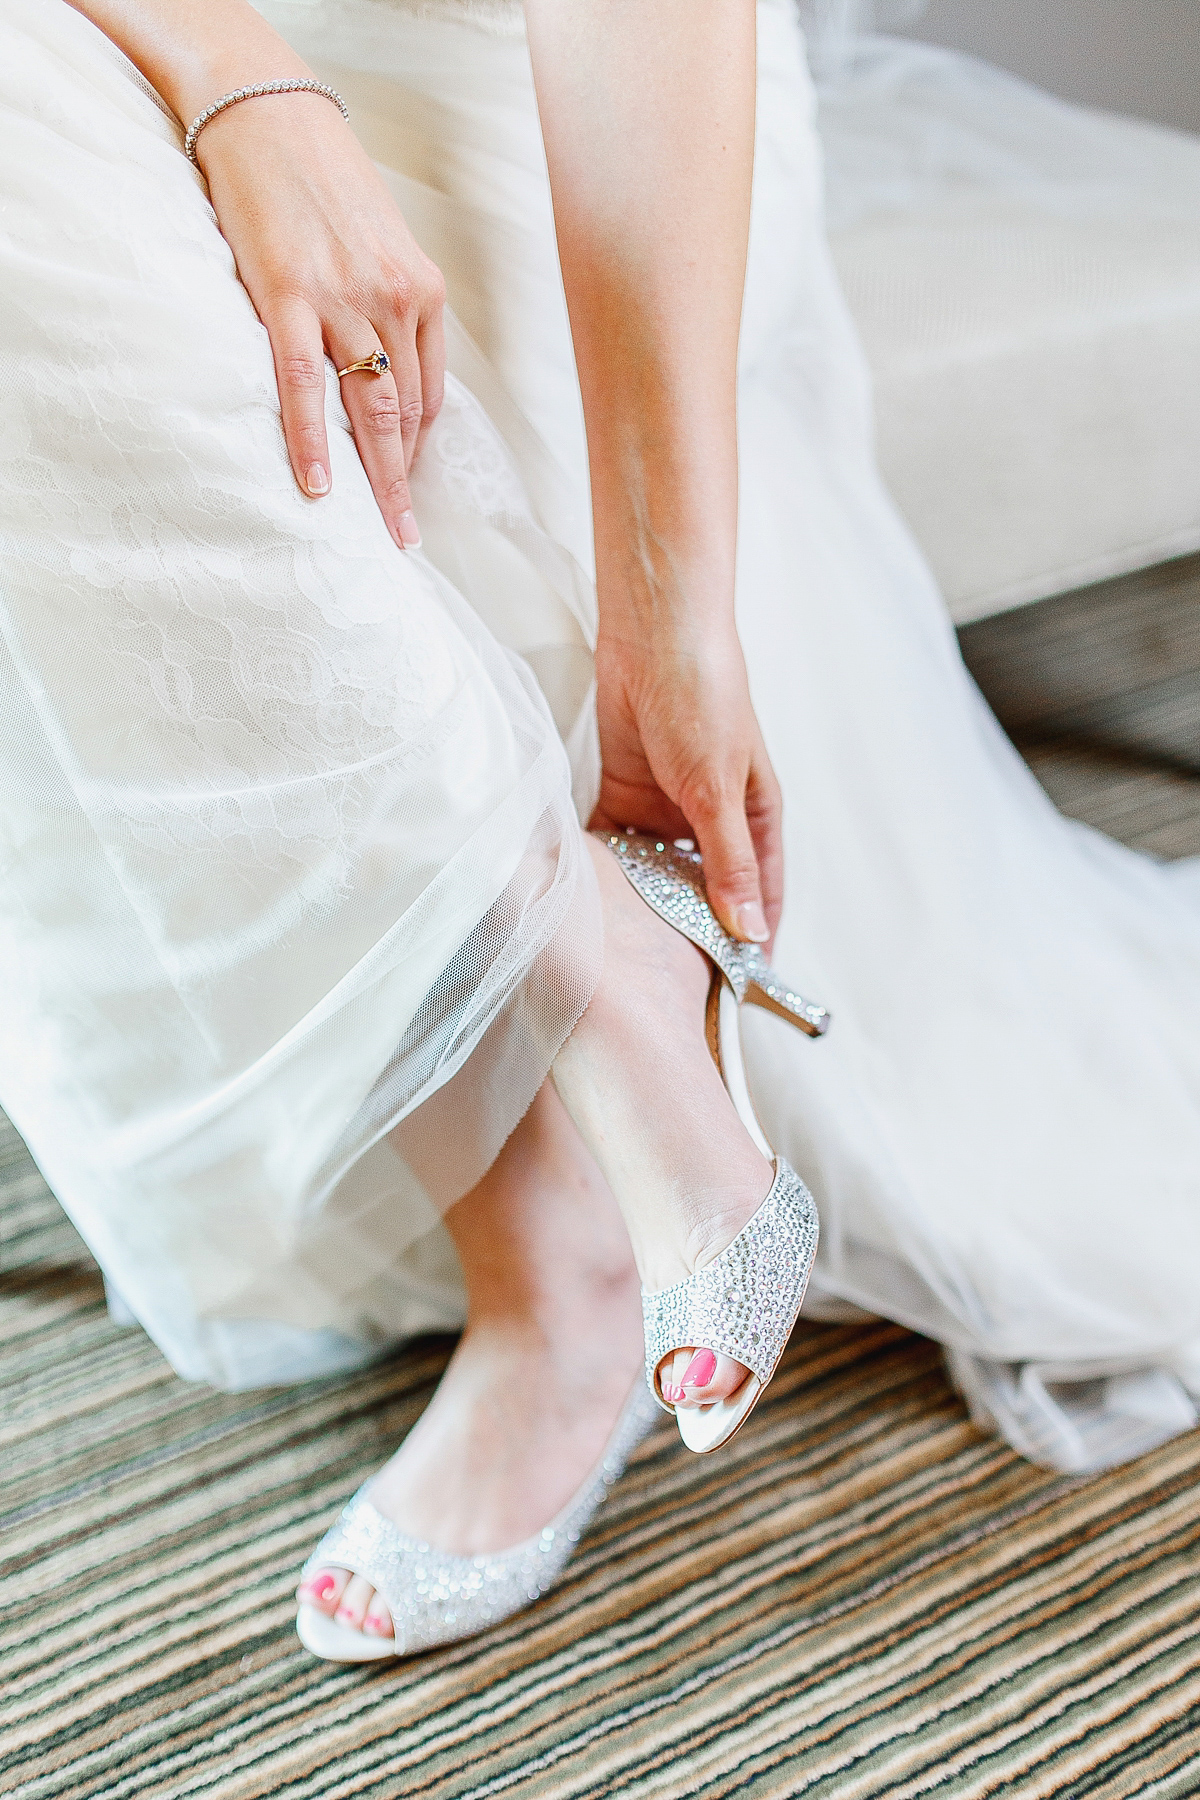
(332, 268)
(682, 755)
(648, 118)
(320, 244)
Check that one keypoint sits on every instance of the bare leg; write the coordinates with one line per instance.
(552, 1345)
(553, 1309)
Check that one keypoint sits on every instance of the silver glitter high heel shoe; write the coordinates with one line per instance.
(435, 1597)
(745, 1302)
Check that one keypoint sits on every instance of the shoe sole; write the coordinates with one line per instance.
(338, 1643)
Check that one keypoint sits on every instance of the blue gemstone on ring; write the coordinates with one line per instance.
(381, 362)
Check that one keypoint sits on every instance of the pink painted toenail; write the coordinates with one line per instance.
(378, 1626)
(700, 1370)
(322, 1587)
(345, 1612)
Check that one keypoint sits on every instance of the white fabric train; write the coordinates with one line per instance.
(1003, 1128)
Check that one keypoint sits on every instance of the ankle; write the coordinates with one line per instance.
(707, 1238)
(544, 1316)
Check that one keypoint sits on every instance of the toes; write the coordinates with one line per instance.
(349, 1599)
(698, 1377)
(378, 1620)
(323, 1589)
(670, 1375)
(704, 1385)
(352, 1607)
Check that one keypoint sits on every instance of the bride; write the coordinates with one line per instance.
(297, 916)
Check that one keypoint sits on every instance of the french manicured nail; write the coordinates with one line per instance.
(700, 1370)
(410, 535)
(317, 480)
(752, 922)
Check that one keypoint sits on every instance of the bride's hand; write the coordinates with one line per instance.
(648, 118)
(683, 755)
(332, 268)
(320, 244)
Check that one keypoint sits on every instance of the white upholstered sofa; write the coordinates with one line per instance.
(1025, 276)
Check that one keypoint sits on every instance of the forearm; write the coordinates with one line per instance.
(192, 51)
(647, 111)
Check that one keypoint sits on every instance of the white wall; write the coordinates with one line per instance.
(1133, 56)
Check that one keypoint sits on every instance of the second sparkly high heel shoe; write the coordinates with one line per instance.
(745, 1302)
(436, 1597)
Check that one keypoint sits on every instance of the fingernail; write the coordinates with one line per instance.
(752, 922)
(317, 480)
(700, 1370)
(410, 535)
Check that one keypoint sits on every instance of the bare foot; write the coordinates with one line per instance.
(553, 1345)
(638, 1080)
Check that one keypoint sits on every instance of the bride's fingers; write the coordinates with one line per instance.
(764, 815)
(431, 353)
(299, 352)
(372, 403)
(406, 373)
(731, 873)
(408, 315)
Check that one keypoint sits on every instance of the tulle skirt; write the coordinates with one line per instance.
(294, 913)
(1003, 1126)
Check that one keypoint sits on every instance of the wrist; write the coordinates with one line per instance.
(697, 632)
(196, 50)
(665, 528)
(209, 79)
(262, 133)
(652, 586)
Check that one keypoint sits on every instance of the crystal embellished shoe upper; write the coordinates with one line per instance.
(745, 1302)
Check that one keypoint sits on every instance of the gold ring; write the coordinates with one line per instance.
(378, 363)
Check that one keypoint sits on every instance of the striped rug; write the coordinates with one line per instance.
(863, 1597)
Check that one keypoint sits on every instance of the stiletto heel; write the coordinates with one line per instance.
(745, 1302)
(435, 1597)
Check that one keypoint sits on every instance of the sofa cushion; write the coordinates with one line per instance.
(1025, 277)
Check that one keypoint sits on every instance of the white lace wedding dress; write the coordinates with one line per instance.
(272, 798)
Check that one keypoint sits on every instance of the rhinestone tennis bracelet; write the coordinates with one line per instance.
(252, 93)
